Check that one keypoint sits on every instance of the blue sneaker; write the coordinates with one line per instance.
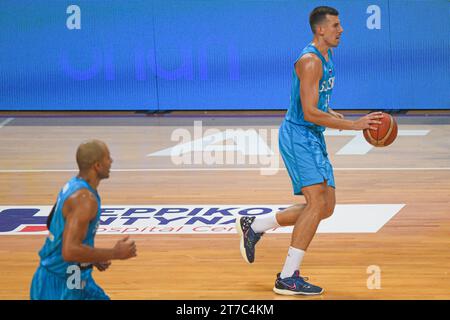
(295, 285)
(249, 238)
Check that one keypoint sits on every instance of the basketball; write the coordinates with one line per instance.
(386, 133)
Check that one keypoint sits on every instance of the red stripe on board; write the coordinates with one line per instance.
(34, 229)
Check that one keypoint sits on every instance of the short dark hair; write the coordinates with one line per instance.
(90, 152)
(318, 15)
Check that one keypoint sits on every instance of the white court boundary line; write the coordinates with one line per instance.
(221, 169)
(5, 122)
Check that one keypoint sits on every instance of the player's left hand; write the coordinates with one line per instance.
(335, 114)
(102, 266)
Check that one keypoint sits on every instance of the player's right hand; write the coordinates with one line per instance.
(368, 121)
(125, 249)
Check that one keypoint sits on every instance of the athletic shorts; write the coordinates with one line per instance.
(305, 156)
(50, 286)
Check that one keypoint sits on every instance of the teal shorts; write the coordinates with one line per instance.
(50, 286)
(305, 156)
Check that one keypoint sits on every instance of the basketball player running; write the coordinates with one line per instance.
(303, 149)
(68, 255)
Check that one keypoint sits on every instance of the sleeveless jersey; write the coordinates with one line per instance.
(326, 84)
(51, 253)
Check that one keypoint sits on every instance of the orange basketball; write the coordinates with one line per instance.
(386, 133)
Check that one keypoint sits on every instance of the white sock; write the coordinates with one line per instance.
(262, 224)
(292, 263)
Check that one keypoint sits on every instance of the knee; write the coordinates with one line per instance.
(323, 208)
(319, 206)
(322, 203)
(328, 210)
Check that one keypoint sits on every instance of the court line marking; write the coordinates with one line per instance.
(223, 169)
(5, 122)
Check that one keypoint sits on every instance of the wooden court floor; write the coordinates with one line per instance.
(412, 250)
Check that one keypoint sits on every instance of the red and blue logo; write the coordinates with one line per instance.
(22, 220)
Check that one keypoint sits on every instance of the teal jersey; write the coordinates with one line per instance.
(326, 84)
(51, 253)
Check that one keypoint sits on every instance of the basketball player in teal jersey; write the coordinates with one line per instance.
(68, 255)
(302, 146)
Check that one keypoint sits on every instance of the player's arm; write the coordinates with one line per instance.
(79, 210)
(309, 71)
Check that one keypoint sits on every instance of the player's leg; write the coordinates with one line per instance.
(289, 216)
(306, 225)
(289, 281)
(252, 228)
(330, 202)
